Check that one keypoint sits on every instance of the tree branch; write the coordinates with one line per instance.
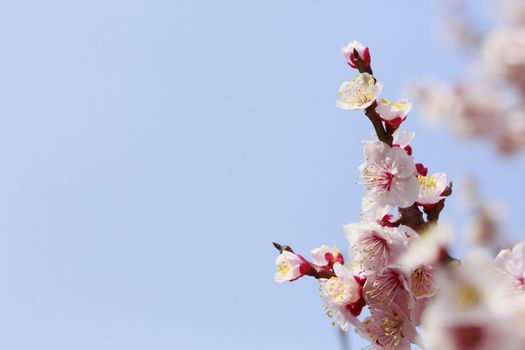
(382, 135)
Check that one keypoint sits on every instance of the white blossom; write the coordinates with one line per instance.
(359, 93)
(288, 267)
(389, 110)
(431, 187)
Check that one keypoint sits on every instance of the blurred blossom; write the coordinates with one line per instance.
(511, 265)
(472, 110)
(485, 226)
(513, 138)
(514, 11)
(503, 52)
(468, 312)
(427, 250)
(480, 106)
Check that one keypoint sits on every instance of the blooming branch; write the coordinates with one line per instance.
(399, 268)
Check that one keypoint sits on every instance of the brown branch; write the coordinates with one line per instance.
(382, 135)
(411, 217)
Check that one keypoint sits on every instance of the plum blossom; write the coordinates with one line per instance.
(431, 188)
(289, 267)
(363, 52)
(389, 110)
(511, 264)
(360, 92)
(324, 256)
(389, 328)
(373, 246)
(393, 113)
(342, 289)
(389, 174)
(385, 286)
(342, 295)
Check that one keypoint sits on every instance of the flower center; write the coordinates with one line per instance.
(385, 286)
(371, 252)
(468, 296)
(393, 331)
(427, 182)
(422, 283)
(521, 282)
(381, 180)
(283, 268)
(359, 91)
(338, 291)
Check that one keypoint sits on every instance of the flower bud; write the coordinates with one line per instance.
(353, 48)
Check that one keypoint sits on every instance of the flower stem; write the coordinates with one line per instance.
(382, 135)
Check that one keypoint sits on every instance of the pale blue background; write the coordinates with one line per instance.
(151, 151)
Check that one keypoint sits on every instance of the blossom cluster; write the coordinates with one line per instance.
(490, 102)
(399, 277)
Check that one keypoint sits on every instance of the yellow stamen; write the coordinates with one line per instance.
(393, 104)
(468, 296)
(427, 182)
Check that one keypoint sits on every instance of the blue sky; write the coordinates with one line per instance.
(151, 151)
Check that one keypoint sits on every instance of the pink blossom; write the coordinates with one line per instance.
(373, 246)
(423, 282)
(389, 328)
(389, 174)
(393, 281)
